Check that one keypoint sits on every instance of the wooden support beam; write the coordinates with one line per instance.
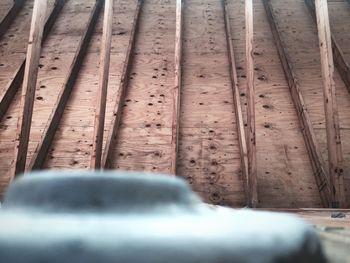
(317, 161)
(338, 54)
(100, 110)
(177, 88)
(10, 16)
(251, 136)
(29, 85)
(237, 104)
(330, 105)
(50, 129)
(124, 80)
(16, 81)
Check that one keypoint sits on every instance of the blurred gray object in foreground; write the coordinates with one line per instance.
(127, 217)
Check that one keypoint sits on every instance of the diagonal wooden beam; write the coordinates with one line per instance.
(330, 105)
(124, 80)
(251, 135)
(29, 85)
(338, 54)
(315, 155)
(51, 126)
(12, 87)
(100, 111)
(237, 104)
(177, 88)
(10, 17)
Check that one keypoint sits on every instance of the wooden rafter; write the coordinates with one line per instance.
(177, 87)
(58, 109)
(124, 80)
(317, 161)
(251, 136)
(29, 85)
(100, 110)
(12, 87)
(338, 54)
(237, 104)
(10, 16)
(330, 105)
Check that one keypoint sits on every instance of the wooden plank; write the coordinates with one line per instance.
(29, 85)
(330, 104)
(251, 136)
(317, 161)
(124, 80)
(237, 104)
(100, 110)
(177, 88)
(338, 54)
(11, 15)
(55, 117)
(13, 86)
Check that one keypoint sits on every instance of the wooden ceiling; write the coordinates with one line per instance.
(167, 86)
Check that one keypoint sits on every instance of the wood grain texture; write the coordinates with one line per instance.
(338, 54)
(45, 142)
(124, 80)
(251, 133)
(100, 108)
(209, 155)
(29, 85)
(6, 21)
(238, 108)
(331, 109)
(315, 154)
(16, 79)
(177, 88)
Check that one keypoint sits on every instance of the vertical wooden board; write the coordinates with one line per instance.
(299, 33)
(208, 149)
(284, 169)
(148, 103)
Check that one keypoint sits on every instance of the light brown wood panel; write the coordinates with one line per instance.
(79, 112)
(209, 155)
(299, 33)
(282, 160)
(140, 123)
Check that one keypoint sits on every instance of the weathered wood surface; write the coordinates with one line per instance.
(6, 21)
(209, 149)
(238, 106)
(29, 87)
(307, 69)
(335, 157)
(100, 108)
(48, 134)
(8, 91)
(251, 131)
(177, 87)
(339, 57)
(124, 80)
